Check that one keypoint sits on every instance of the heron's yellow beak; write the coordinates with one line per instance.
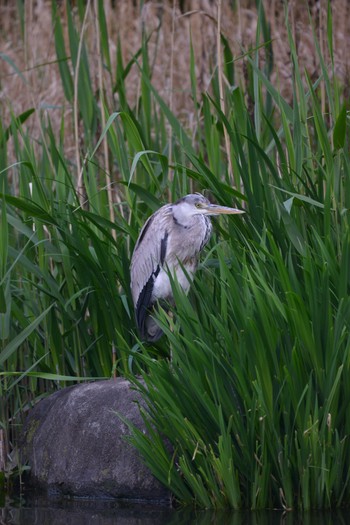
(214, 209)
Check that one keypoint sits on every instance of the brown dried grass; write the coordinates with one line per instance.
(34, 53)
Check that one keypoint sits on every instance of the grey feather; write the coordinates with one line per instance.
(169, 241)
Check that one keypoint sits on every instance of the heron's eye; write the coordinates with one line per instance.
(198, 205)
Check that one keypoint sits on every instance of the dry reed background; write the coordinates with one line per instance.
(170, 24)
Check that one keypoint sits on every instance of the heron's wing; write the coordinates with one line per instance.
(147, 260)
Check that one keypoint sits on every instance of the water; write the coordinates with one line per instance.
(35, 510)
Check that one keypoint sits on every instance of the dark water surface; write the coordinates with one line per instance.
(48, 511)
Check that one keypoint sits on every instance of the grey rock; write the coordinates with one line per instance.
(75, 444)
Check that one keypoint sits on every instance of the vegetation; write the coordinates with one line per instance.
(254, 401)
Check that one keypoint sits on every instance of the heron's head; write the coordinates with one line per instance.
(197, 204)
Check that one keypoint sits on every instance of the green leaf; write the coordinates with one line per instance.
(29, 207)
(144, 195)
(299, 197)
(17, 121)
(163, 160)
(339, 131)
(3, 239)
(9, 60)
(13, 345)
(3, 305)
(104, 33)
(66, 77)
(50, 376)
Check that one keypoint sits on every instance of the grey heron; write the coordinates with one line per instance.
(169, 242)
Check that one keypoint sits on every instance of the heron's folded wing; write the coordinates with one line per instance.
(148, 257)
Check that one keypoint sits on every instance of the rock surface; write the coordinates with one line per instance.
(75, 444)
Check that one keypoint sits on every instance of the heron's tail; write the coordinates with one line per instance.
(152, 331)
(147, 325)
